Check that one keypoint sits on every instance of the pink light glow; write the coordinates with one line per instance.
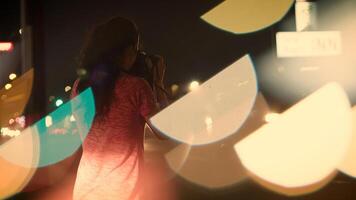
(6, 46)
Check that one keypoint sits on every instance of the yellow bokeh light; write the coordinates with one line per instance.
(12, 76)
(193, 85)
(270, 117)
(72, 118)
(294, 151)
(8, 86)
(174, 88)
(241, 16)
(48, 121)
(9, 132)
(348, 165)
(67, 88)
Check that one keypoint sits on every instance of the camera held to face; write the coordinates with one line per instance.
(143, 67)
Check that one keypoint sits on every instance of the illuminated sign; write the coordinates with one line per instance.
(308, 44)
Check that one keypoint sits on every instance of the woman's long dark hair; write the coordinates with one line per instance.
(98, 62)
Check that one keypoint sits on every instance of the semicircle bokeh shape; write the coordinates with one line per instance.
(215, 110)
(305, 144)
(21, 149)
(14, 100)
(62, 132)
(348, 165)
(219, 157)
(241, 16)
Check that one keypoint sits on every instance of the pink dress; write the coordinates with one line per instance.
(112, 160)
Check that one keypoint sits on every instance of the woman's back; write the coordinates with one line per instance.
(112, 159)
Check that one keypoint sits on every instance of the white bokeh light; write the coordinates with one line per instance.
(226, 98)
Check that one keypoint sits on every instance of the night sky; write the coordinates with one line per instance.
(192, 48)
(9, 19)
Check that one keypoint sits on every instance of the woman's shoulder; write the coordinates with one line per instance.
(135, 79)
(138, 81)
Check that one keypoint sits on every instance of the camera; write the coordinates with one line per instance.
(143, 67)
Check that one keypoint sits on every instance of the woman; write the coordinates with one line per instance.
(112, 160)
